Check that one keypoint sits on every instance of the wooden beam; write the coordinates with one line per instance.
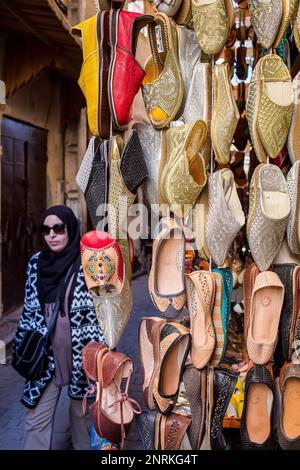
(13, 10)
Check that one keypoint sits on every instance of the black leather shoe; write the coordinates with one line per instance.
(96, 193)
(224, 382)
(145, 423)
(287, 274)
(195, 387)
(257, 417)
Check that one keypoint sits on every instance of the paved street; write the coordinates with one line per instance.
(12, 412)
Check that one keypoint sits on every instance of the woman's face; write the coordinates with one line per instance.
(56, 242)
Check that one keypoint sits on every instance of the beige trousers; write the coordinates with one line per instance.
(39, 422)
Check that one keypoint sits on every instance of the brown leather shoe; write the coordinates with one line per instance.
(170, 431)
(257, 417)
(171, 343)
(112, 412)
(147, 357)
(195, 387)
(288, 430)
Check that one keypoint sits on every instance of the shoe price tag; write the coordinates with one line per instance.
(159, 41)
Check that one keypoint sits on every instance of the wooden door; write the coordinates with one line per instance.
(23, 199)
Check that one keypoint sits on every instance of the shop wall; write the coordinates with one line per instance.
(38, 103)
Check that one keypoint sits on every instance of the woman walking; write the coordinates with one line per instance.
(76, 325)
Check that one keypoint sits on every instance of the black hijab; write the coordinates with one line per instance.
(53, 267)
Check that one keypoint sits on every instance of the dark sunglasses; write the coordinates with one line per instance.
(59, 229)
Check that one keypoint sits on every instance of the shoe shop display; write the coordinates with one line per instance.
(190, 181)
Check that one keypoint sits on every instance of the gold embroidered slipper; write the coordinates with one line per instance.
(275, 104)
(162, 86)
(184, 174)
(211, 23)
(252, 115)
(225, 116)
(266, 18)
(289, 10)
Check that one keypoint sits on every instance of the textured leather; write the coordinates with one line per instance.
(96, 192)
(120, 199)
(293, 139)
(85, 169)
(264, 234)
(289, 275)
(249, 279)
(189, 55)
(113, 312)
(198, 103)
(177, 185)
(172, 430)
(200, 286)
(89, 359)
(125, 74)
(112, 427)
(261, 350)
(257, 374)
(288, 12)
(151, 142)
(225, 114)
(165, 338)
(146, 349)
(266, 18)
(211, 24)
(169, 305)
(227, 284)
(293, 184)
(222, 227)
(274, 120)
(165, 91)
(217, 321)
(224, 382)
(195, 387)
(288, 371)
(146, 426)
(252, 113)
(133, 166)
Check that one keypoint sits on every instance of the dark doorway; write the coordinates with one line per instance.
(24, 170)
